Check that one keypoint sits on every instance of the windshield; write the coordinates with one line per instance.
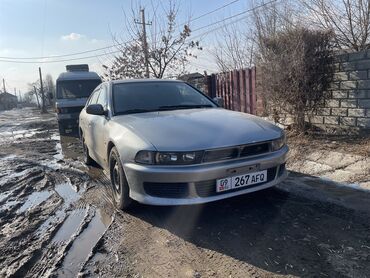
(155, 96)
(76, 88)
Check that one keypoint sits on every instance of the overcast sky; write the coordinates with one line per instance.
(39, 28)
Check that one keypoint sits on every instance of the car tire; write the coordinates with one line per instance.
(120, 187)
(86, 156)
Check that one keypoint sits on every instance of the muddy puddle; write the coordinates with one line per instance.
(46, 227)
(82, 247)
(35, 199)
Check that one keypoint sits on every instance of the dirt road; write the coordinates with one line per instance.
(56, 219)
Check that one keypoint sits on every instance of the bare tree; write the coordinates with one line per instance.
(234, 48)
(273, 19)
(128, 64)
(168, 47)
(49, 84)
(33, 92)
(49, 87)
(349, 19)
(28, 98)
(238, 43)
(296, 70)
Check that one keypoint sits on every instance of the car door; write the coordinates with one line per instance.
(88, 123)
(100, 132)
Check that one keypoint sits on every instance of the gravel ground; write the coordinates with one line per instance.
(57, 219)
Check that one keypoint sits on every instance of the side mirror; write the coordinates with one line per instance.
(95, 109)
(219, 101)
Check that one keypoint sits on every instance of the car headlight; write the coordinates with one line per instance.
(168, 158)
(278, 143)
(145, 157)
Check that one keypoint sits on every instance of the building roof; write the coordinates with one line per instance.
(7, 94)
(190, 76)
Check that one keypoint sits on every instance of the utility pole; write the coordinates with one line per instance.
(144, 41)
(37, 98)
(4, 90)
(20, 95)
(43, 110)
(15, 93)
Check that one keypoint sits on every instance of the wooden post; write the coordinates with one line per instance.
(43, 109)
(253, 90)
(242, 90)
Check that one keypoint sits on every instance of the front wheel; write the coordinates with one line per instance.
(87, 158)
(121, 189)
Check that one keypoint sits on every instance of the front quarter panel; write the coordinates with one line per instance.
(127, 142)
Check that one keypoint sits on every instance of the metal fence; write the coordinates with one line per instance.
(237, 88)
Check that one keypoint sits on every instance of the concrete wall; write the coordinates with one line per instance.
(349, 104)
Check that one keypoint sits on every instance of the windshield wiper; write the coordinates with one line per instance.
(161, 108)
(172, 107)
(136, 110)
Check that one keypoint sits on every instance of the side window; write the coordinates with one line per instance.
(94, 97)
(103, 97)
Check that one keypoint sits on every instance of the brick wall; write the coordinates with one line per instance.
(349, 105)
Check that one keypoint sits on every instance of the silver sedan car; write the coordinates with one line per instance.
(163, 142)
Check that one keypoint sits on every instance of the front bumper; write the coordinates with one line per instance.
(195, 184)
(68, 120)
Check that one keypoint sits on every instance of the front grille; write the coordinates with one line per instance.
(208, 188)
(76, 109)
(167, 190)
(235, 152)
(215, 155)
(255, 149)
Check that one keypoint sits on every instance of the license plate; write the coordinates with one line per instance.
(241, 181)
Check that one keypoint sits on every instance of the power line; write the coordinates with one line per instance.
(64, 60)
(211, 12)
(229, 23)
(109, 46)
(117, 51)
(235, 15)
(65, 55)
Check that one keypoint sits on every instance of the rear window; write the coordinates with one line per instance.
(76, 88)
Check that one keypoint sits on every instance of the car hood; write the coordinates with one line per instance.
(198, 129)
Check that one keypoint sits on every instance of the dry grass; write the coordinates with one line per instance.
(306, 143)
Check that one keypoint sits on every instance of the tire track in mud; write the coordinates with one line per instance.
(148, 251)
(43, 222)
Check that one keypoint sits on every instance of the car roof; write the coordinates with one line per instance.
(78, 75)
(144, 80)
